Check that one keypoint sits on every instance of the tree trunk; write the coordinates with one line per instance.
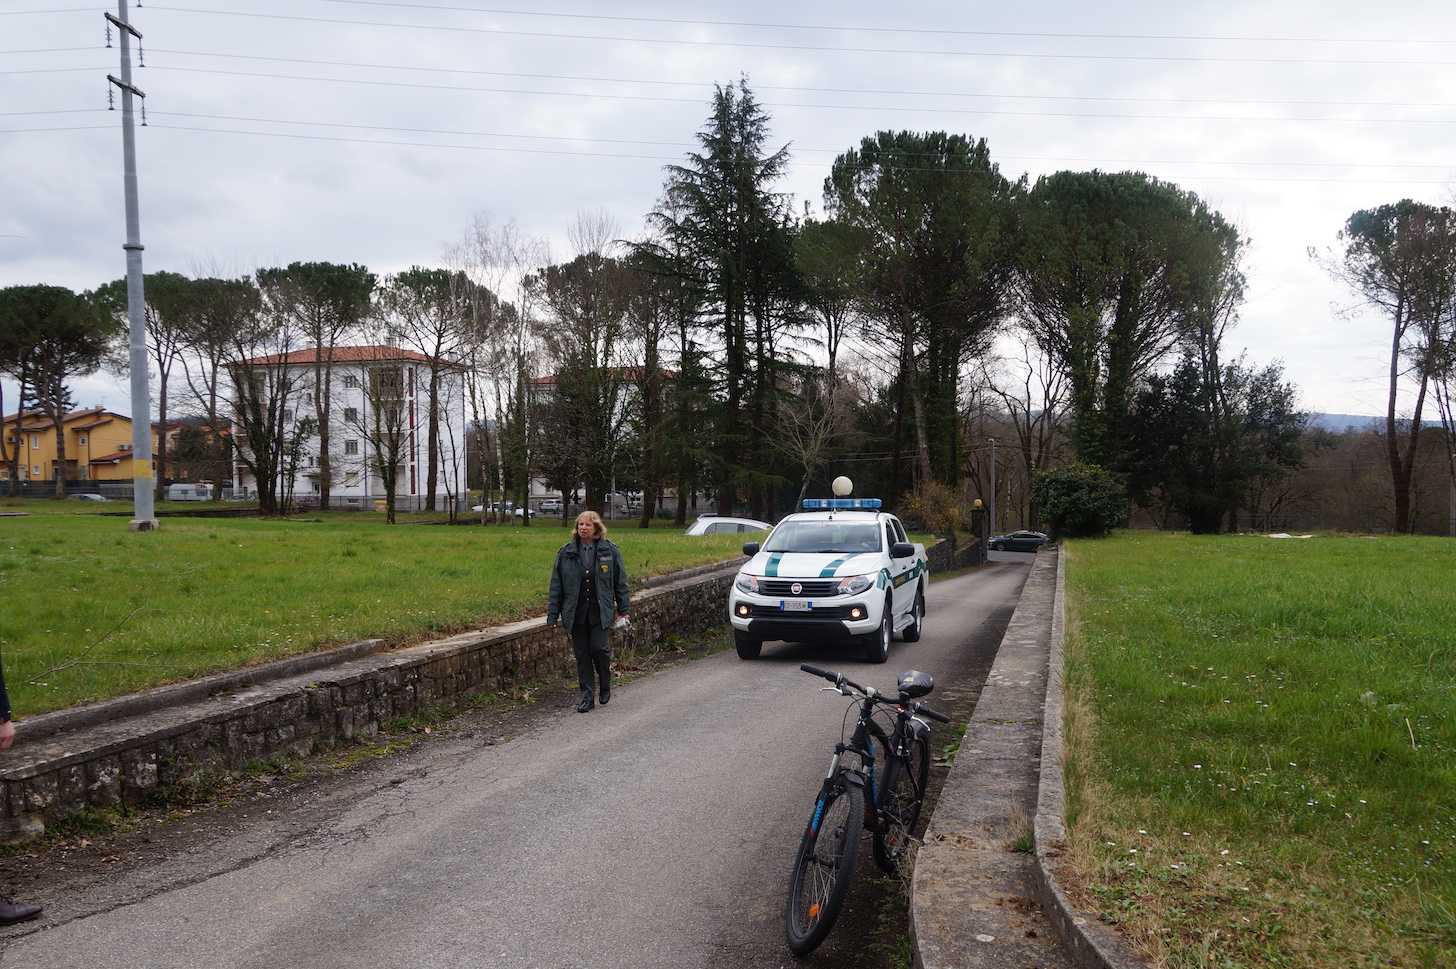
(1399, 468)
(432, 437)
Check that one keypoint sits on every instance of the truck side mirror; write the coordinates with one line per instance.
(902, 550)
(750, 548)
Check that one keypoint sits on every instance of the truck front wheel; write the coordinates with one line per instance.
(877, 643)
(911, 633)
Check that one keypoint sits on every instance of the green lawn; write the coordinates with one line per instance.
(1261, 746)
(92, 610)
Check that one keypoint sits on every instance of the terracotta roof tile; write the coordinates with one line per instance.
(342, 355)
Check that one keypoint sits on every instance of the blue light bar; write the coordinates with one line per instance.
(832, 504)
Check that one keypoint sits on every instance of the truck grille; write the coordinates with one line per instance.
(811, 588)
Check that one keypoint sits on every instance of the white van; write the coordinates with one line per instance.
(189, 492)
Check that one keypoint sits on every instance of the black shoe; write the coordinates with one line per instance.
(10, 913)
(586, 702)
(606, 695)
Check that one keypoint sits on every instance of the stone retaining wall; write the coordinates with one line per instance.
(945, 558)
(126, 750)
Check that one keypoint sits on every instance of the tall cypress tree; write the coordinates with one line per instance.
(733, 237)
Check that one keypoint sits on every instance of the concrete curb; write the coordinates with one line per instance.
(972, 895)
(1090, 943)
(45, 725)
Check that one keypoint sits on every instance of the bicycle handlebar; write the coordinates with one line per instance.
(839, 679)
(930, 713)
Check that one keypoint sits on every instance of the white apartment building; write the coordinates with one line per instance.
(373, 391)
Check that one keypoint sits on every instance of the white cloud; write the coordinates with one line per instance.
(537, 117)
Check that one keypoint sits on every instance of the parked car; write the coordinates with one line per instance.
(510, 506)
(189, 492)
(90, 497)
(1024, 541)
(550, 506)
(714, 525)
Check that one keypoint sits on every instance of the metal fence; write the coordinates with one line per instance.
(120, 490)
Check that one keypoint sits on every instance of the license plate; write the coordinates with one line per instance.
(796, 605)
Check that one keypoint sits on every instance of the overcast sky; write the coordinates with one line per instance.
(372, 132)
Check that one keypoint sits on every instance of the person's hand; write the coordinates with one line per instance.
(7, 734)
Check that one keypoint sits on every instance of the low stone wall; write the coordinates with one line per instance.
(127, 750)
(943, 557)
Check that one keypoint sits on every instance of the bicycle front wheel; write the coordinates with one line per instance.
(824, 866)
(905, 782)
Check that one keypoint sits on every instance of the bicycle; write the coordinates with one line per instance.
(853, 797)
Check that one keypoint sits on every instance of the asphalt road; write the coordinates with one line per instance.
(655, 832)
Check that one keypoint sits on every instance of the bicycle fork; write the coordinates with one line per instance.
(864, 779)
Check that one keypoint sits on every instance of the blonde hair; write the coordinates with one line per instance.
(598, 526)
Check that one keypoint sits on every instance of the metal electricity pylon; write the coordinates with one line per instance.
(143, 484)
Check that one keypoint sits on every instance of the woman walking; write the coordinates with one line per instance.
(588, 594)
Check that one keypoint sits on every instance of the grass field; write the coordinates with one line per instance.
(92, 610)
(1261, 747)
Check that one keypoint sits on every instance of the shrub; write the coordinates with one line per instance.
(933, 507)
(1079, 501)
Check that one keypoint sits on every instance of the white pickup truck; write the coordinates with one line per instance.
(840, 571)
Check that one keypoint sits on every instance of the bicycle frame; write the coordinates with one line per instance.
(907, 727)
(828, 851)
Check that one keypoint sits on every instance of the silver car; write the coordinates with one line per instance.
(715, 525)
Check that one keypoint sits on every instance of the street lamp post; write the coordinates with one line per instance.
(978, 512)
(993, 482)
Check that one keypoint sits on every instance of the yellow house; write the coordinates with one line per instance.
(98, 446)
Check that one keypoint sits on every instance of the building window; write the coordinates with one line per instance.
(351, 381)
(351, 447)
(351, 415)
(351, 480)
(287, 414)
(387, 382)
(35, 442)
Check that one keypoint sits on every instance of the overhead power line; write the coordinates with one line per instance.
(1034, 160)
(699, 85)
(602, 96)
(456, 29)
(666, 159)
(840, 28)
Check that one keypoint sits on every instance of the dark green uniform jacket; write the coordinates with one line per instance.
(610, 583)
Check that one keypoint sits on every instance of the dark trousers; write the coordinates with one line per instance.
(592, 645)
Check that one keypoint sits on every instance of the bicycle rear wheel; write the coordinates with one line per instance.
(905, 782)
(824, 866)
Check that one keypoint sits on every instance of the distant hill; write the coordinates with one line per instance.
(1339, 423)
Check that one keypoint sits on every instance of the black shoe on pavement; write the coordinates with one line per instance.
(586, 702)
(10, 913)
(606, 695)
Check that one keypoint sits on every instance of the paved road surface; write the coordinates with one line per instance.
(656, 832)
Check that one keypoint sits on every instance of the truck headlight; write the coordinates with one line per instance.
(855, 584)
(747, 583)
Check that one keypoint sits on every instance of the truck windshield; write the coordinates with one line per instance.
(826, 536)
